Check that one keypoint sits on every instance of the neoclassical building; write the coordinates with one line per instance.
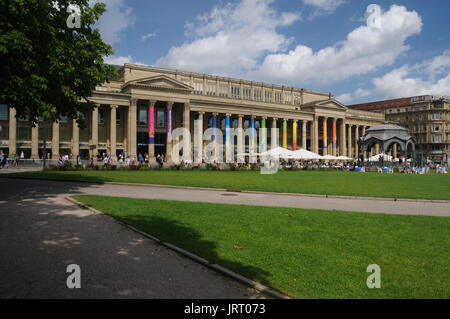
(136, 111)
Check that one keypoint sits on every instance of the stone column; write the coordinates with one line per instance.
(304, 123)
(151, 130)
(55, 140)
(12, 131)
(349, 141)
(342, 139)
(169, 132)
(228, 157)
(113, 133)
(394, 147)
(240, 141)
(294, 135)
(334, 149)
(214, 136)
(132, 129)
(75, 139)
(356, 141)
(263, 135)
(274, 134)
(325, 135)
(94, 137)
(35, 142)
(315, 135)
(199, 142)
(187, 126)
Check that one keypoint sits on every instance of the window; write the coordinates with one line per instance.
(436, 116)
(223, 90)
(406, 109)
(268, 96)
(390, 111)
(435, 138)
(246, 93)
(424, 107)
(3, 112)
(160, 119)
(143, 116)
(257, 94)
(63, 119)
(117, 116)
(211, 89)
(198, 88)
(424, 127)
(277, 97)
(436, 127)
(235, 92)
(398, 110)
(287, 98)
(100, 117)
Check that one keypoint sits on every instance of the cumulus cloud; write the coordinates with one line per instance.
(430, 77)
(121, 60)
(147, 36)
(323, 6)
(116, 18)
(230, 40)
(365, 49)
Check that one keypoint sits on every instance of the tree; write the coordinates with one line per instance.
(49, 66)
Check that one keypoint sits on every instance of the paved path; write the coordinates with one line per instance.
(218, 196)
(41, 233)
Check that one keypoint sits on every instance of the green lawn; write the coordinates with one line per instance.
(302, 253)
(306, 182)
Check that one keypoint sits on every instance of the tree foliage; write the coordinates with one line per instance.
(47, 68)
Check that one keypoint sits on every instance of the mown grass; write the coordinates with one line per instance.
(302, 253)
(305, 182)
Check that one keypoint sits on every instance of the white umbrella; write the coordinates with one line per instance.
(305, 155)
(329, 157)
(277, 152)
(344, 158)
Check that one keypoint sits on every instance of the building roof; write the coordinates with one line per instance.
(381, 105)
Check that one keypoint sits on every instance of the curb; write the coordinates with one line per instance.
(387, 199)
(253, 284)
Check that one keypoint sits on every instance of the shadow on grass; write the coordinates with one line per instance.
(180, 235)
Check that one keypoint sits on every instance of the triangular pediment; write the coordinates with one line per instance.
(326, 104)
(160, 81)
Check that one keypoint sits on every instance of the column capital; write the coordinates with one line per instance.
(264, 117)
(240, 115)
(152, 102)
(133, 101)
(114, 106)
(215, 114)
(294, 121)
(228, 115)
(170, 104)
(275, 118)
(201, 113)
(334, 119)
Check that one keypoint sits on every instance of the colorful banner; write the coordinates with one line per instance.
(294, 136)
(151, 125)
(284, 134)
(325, 134)
(169, 125)
(334, 136)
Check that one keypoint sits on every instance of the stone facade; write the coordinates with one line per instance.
(427, 119)
(136, 113)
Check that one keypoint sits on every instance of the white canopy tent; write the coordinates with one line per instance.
(344, 158)
(376, 158)
(329, 158)
(303, 154)
(277, 152)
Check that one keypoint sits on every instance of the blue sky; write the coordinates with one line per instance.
(326, 45)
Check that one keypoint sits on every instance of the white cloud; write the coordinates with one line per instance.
(121, 60)
(365, 49)
(147, 36)
(430, 77)
(230, 40)
(323, 6)
(115, 19)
